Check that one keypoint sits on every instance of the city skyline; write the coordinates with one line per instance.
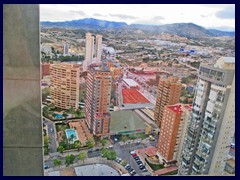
(223, 15)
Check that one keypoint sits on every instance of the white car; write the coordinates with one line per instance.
(132, 152)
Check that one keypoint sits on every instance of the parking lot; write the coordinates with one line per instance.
(123, 152)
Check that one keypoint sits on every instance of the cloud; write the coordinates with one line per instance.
(123, 16)
(204, 16)
(97, 14)
(81, 13)
(158, 18)
(227, 13)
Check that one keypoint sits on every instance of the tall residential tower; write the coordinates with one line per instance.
(64, 87)
(169, 91)
(93, 50)
(98, 99)
(212, 121)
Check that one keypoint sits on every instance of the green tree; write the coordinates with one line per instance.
(104, 142)
(60, 149)
(111, 155)
(124, 138)
(104, 152)
(82, 156)
(69, 159)
(77, 144)
(89, 143)
(46, 145)
(57, 162)
(71, 139)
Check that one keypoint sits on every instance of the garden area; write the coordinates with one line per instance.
(69, 143)
(132, 136)
(154, 167)
(70, 159)
(55, 113)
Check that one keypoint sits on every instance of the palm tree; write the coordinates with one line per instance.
(57, 162)
(60, 149)
(77, 144)
(82, 156)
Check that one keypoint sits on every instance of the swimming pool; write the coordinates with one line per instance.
(59, 116)
(69, 133)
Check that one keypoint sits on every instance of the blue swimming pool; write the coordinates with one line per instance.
(71, 132)
(59, 116)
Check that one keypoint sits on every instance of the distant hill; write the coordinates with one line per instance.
(221, 33)
(86, 23)
(189, 30)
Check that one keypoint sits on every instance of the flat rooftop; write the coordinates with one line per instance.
(132, 96)
(126, 120)
(130, 82)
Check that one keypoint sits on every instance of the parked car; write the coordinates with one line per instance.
(134, 155)
(130, 170)
(46, 166)
(151, 138)
(51, 130)
(141, 167)
(132, 152)
(144, 170)
(139, 162)
(133, 172)
(136, 158)
(118, 160)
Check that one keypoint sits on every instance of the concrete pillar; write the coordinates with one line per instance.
(22, 123)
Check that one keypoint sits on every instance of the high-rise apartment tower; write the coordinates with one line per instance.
(172, 132)
(98, 99)
(64, 87)
(212, 121)
(169, 91)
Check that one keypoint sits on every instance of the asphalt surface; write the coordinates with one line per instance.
(51, 135)
(123, 152)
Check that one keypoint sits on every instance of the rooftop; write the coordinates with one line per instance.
(229, 59)
(125, 121)
(177, 108)
(130, 82)
(132, 96)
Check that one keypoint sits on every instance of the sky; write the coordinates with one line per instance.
(216, 16)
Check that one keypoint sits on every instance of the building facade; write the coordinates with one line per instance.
(169, 91)
(172, 132)
(45, 69)
(212, 121)
(98, 99)
(65, 49)
(64, 88)
(98, 49)
(93, 50)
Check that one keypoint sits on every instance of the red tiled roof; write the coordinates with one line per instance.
(165, 170)
(150, 151)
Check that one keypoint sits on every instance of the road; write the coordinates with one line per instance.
(51, 135)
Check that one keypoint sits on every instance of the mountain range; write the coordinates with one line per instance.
(189, 30)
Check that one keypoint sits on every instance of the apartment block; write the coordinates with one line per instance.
(172, 132)
(169, 91)
(93, 50)
(98, 99)
(212, 121)
(64, 87)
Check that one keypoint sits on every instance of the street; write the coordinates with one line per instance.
(51, 135)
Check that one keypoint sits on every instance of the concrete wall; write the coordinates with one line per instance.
(22, 124)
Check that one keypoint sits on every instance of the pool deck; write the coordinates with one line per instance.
(82, 131)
